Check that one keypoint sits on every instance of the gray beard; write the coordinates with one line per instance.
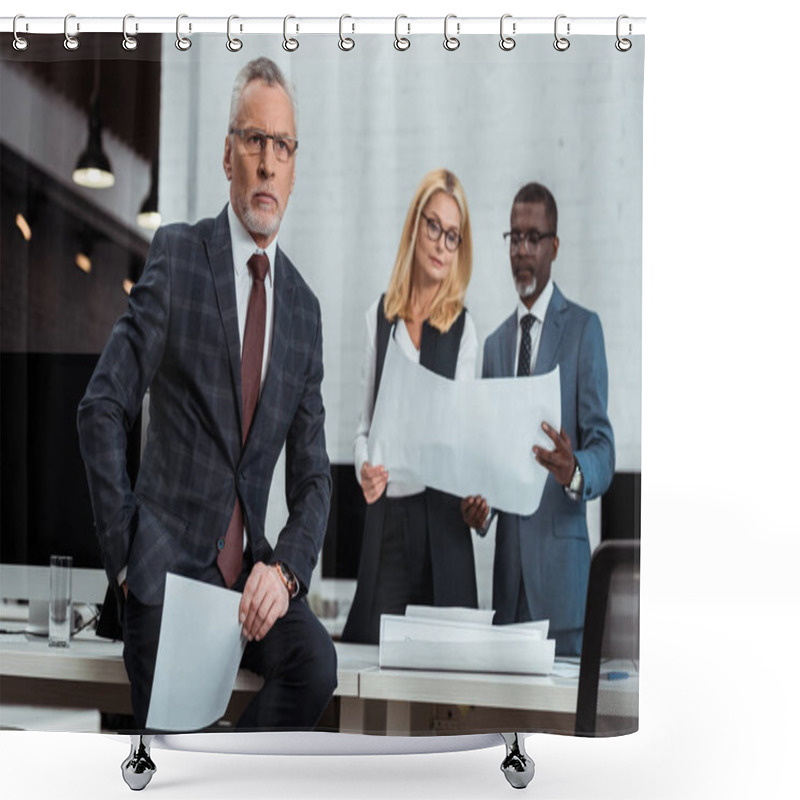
(255, 225)
(526, 290)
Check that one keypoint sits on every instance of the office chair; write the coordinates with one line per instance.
(608, 687)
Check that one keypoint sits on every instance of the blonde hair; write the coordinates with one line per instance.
(449, 298)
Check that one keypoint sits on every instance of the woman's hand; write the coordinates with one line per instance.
(373, 481)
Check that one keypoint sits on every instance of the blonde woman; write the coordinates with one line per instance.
(416, 548)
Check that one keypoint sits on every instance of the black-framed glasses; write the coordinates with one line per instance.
(254, 142)
(531, 239)
(452, 238)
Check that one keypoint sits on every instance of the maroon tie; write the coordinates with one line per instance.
(229, 557)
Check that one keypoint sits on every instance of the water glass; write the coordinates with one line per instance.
(60, 601)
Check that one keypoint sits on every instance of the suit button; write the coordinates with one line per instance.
(243, 478)
(220, 543)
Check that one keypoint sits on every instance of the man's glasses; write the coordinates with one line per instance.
(452, 238)
(529, 240)
(254, 143)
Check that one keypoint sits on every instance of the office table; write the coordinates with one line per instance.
(91, 674)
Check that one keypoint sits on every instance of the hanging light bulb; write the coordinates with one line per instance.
(149, 216)
(93, 169)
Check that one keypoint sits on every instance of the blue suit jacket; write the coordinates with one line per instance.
(180, 338)
(549, 550)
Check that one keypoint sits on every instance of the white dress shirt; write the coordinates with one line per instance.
(538, 309)
(465, 370)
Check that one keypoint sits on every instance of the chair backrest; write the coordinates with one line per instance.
(608, 688)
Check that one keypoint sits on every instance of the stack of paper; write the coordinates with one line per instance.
(462, 639)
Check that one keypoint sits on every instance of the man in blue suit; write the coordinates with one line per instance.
(226, 335)
(541, 565)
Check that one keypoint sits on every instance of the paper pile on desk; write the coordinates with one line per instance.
(464, 437)
(464, 640)
(199, 650)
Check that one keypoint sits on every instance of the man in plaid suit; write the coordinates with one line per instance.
(199, 504)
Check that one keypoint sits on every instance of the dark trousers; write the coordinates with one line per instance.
(296, 658)
(405, 575)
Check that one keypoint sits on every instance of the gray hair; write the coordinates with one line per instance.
(259, 69)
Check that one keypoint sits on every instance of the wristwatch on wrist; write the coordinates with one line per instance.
(575, 489)
(288, 578)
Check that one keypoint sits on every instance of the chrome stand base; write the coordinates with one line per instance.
(138, 768)
(517, 766)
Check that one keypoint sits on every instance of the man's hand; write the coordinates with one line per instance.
(264, 600)
(373, 481)
(475, 511)
(560, 461)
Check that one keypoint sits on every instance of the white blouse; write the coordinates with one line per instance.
(465, 370)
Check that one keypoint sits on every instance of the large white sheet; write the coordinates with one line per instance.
(199, 651)
(464, 437)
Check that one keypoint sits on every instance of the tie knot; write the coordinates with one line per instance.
(258, 266)
(527, 322)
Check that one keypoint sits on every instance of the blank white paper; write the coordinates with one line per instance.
(464, 437)
(199, 651)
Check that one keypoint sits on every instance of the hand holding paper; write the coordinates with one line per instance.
(465, 437)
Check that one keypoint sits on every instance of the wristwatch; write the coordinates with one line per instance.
(288, 578)
(575, 489)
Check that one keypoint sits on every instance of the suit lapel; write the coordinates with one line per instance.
(220, 258)
(551, 333)
(508, 348)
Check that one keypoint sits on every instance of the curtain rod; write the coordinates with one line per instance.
(187, 25)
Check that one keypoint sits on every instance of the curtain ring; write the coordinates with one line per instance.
(451, 42)
(183, 43)
(289, 44)
(128, 42)
(623, 45)
(345, 42)
(234, 45)
(20, 42)
(561, 43)
(71, 42)
(401, 42)
(507, 42)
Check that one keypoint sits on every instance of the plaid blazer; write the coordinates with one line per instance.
(180, 338)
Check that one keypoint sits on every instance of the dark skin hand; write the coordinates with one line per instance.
(474, 511)
(560, 461)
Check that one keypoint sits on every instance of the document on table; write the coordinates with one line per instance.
(199, 650)
(464, 437)
(451, 641)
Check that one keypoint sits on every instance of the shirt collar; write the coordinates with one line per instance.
(243, 246)
(539, 308)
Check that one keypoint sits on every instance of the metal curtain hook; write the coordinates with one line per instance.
(507, 42)
(401, 42)
(128, 42)
(182, 42)
(623, 45)
(20, 42)
(234, 45)
(451, 42)
(345, 42)
(289, 44)
(561, 43)
(71, 42)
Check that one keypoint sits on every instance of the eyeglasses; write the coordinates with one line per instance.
(531, 239)
(254, 143)
(452, 238)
